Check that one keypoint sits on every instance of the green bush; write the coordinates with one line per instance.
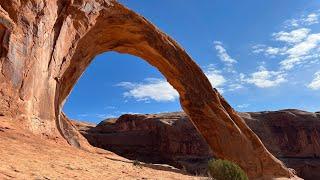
(136, 163)
(225, 170)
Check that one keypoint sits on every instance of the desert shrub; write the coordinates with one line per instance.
(136, 163)
(225, 170)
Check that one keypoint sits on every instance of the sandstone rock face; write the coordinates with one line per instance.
(291, 135)
(47, 44)
(160, 138)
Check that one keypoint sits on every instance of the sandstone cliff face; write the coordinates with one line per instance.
(160, 138)
(291, 135)
(47, 44)
(287, 133)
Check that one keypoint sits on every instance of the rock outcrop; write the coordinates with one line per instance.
(46, 46)
(291, 135)
(158, 138)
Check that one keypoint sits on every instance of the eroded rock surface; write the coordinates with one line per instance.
(48, 44)
(160, 138)
(291, 135)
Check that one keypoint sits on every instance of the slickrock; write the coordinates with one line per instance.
(170, 138)
(46, 46)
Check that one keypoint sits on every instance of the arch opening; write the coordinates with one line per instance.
(128, 125)
(116, 84)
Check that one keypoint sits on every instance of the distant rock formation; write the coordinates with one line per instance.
(159, 138)
(291, 135)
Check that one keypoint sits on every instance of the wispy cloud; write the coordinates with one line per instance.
(293, 36)
(303, 52)
(222, 54)
(233, 86)
(304, 20)
(152, 89)
(268, 50)
(315, 83)
(264, 78)
(298, 46)
(215, 77)
(161, 91)
(243, 106)
(88, 116)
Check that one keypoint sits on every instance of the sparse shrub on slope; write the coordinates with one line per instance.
(225, 170)
(136, 163)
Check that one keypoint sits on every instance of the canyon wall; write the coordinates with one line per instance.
(170, 138)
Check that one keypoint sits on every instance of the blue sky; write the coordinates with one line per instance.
(261, 55)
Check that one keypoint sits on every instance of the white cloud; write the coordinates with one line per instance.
(242, 106)
(259, 48)
(96, 115)
(268, 50)
(273, 51)
(315, 83)
(307, 49)
(294, 36)
(222, 54)
(235, 86)
(306, 46)
(161, 91)
(311, 19)
(264, 78)
(155, 89)
(305, 20)
(216, 79)
(292, 23)
(301, 46)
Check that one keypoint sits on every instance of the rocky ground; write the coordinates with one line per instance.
(25, 156)
(291, 135)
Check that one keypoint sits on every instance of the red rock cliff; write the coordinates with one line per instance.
(46, 46)
(170, 138)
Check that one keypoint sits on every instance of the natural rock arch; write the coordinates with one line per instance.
(53, 41)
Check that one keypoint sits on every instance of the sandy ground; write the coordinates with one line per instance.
(25, 156)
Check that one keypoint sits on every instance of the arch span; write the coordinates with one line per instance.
(74, 32)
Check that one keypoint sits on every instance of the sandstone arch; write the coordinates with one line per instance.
(53, 41)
